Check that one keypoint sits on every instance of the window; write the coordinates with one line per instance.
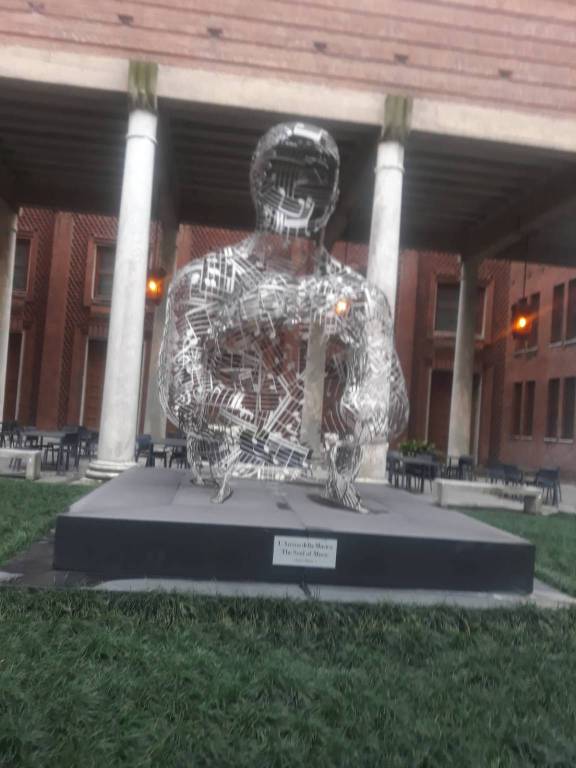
(552, 412)
(447, 297)
(21, 265)
(517, 409)
(571, 313)
(529, 390)
(534, 313)
(104, 273)
(568, 408)
(557, 314)
(480, 311)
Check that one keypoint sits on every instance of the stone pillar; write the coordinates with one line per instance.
(8, 229)
(463, 376)
(155, 418)
(312, 407)
(119, 418)
(384, 248)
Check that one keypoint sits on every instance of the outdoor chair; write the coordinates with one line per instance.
(145, 446)
(423, 467)
(9, 434)
(549, 481)
(513, 475)
(495, 472)
(466, 468)
(68, 449)
(57, 454)
(179, 455)
(395, 469)
(450, 468)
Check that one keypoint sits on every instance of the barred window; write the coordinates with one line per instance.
(21, 265)
(104, 272)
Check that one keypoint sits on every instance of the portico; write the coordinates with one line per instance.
(462, 179)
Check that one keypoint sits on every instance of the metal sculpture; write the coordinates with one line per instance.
(233, 357)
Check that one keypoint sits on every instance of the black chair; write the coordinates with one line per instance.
(466, 468)
(180, 456)
(423, 467)
(495, 472)
(450, 468)
(395, 469)
(145, 446)
(68, 449)
(549, 481)
(9, 434)
(513, 475)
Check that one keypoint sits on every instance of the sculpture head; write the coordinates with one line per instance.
(294, 179)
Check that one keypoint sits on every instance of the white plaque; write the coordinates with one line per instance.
(302, 551)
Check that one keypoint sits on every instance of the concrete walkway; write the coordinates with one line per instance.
(543, 595)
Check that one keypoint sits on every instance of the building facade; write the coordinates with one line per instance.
(456, 130)
(524, 391)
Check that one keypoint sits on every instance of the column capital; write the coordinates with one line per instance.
(397, 118)
(142, 81)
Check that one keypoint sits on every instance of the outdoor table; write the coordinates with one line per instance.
(420, 468)
(45, 438)
(173, 443)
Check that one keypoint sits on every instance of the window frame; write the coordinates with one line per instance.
(570, 327)
(517, 409)
(23, 291)
(548, 432)
(482, 290)
(100, 297)
(561, 289)
(565, 388)
(528, 397)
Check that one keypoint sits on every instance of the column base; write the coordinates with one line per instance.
(373, 469)
(106, 470)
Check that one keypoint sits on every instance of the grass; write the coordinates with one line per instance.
(28, 509)
(97, 679)
(155, 680)
(554, 537)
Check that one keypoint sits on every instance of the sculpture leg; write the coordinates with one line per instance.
(224, 489)
(344, 461)
(194, 460)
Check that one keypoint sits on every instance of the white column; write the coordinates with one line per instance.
(155, 418)
(383, 258)
(463, 375)
(312, 407)
(383, 252)
(8, 228)
(118, 422)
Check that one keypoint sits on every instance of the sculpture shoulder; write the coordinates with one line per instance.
(212, 269)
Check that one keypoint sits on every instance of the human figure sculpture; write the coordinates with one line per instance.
(232, 362)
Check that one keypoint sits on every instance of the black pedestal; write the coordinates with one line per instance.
(153, 522)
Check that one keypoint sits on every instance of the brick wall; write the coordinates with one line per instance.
(549, 360)
(39, 225)
(510, 53)
(419, 350)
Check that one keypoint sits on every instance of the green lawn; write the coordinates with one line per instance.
(95, 680)
(28, 509)
(554, 537)
(150, 680)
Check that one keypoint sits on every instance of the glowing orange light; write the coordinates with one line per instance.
(342, 307)
(155, 285)
(522, 320)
